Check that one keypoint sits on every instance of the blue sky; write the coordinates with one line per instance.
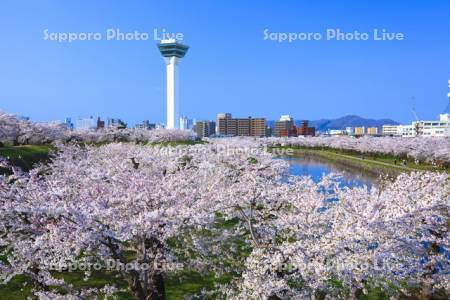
(230, 67)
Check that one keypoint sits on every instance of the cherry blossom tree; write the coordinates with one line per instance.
(99, 203)
(340, 242)
(16, 131)
(131, 135)
(9, 128)
(151, 207)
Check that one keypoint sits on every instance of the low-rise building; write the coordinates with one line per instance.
(304, 130)
(349, 131)
(360, 130)
(114, 123)
(420, 128)
(86, 123)
(372, 131)
(100, 123)
(336, 132)
(146, 125)
(68, 123)
(432, 128)
(391, 130)
(205, 128)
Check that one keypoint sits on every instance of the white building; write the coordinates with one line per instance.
(407, 130)
(391, 130)
(186, 123)
(420, 128)
(336, 132)
(86, 123)
(434, 128)
(349, 130)
(286, 118)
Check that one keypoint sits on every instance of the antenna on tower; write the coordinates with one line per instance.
(413, 109)
(416, 118)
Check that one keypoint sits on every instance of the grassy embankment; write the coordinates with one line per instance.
(26, 156)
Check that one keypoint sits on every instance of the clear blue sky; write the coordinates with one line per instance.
(230, 67)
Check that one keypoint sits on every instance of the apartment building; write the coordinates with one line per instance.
(205, 128)
(304, 130)
(372, 131)
(285, 126)
(360, 130)
(229, 126)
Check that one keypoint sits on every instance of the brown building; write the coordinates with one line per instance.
(305, 130)
(285, 128)
(224, 124)
(228, 126)
(100, 123)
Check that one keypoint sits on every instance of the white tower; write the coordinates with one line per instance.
(173, 52)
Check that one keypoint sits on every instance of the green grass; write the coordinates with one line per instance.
(178, 143)
(178, 286)
(181, 285)
(16, 289)
(26, 156)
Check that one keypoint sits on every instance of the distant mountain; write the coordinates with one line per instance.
(346, 121)
(350, 121)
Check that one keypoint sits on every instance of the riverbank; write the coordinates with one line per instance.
(374, 163)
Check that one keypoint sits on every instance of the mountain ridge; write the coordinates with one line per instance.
(345, 121)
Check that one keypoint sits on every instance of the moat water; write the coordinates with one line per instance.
(317, 168)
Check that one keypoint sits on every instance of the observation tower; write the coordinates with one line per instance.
(173, 52)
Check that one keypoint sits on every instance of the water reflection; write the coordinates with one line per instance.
(316, 167)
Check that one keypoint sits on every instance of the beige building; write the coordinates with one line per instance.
(360, 130)
(372, 131)
(229, 126)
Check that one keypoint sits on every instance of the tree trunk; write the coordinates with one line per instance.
(157, 283)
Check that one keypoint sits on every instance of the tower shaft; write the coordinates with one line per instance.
(172, 92)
